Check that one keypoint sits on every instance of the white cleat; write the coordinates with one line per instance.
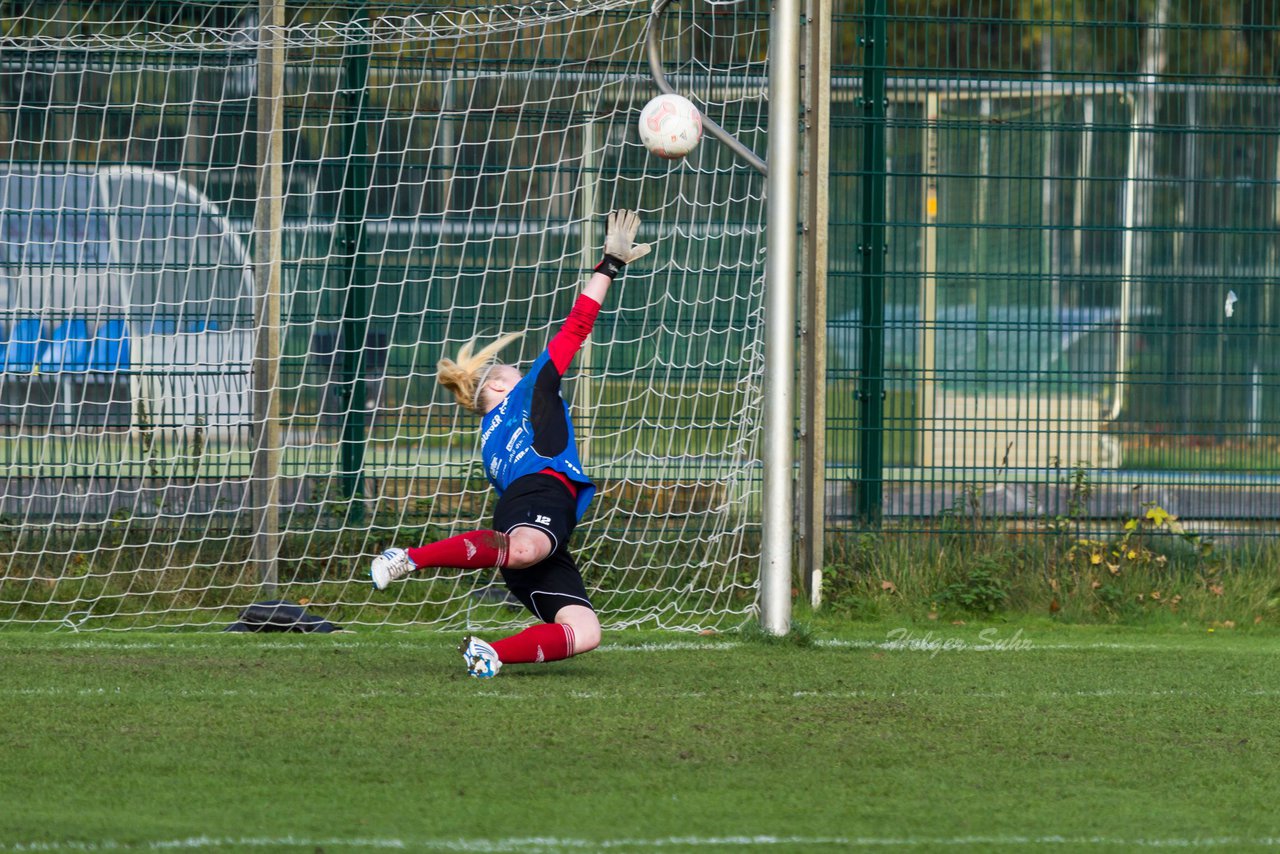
(482, 659)
(391, 565)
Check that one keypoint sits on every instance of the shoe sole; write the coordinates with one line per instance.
(390, 578)
(466, 658)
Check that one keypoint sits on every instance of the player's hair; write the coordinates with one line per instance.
(464, 376)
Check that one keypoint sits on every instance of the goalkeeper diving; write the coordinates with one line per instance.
(530, 457)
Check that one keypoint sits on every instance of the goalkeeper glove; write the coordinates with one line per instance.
(620, 248)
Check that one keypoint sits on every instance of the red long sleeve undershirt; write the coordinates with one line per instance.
(573, 332)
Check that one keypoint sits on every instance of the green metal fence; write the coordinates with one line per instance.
(1080, 262)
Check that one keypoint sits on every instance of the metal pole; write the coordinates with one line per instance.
(1133, 175)
(1142, 120)
(1083, 170)
(267, 249)
(355, 307)
(1051, 236)
(1179, 361)
(871, 355)
(981, 283)
(777, 526)
(926, 371)
(813, 364)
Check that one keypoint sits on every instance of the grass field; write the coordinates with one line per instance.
(1015, 736)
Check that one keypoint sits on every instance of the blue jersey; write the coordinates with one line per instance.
(531, 431)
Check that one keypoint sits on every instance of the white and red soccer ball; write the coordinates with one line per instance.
(670, 126)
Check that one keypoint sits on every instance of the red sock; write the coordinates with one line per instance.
(543, 642)
(474, 550)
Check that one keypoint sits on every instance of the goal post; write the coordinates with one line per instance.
(489, 143)
(782, 218)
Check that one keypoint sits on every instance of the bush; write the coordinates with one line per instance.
(982, 590)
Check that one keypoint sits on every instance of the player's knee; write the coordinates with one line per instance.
(524, 551)
(586, 637)
(585, 626)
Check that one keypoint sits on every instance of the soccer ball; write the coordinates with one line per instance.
(670, 126)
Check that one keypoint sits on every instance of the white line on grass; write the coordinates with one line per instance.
(938, 643)
(1038, 695)
(755, 696)
(976, 644)
(427, 642)
(550, 844)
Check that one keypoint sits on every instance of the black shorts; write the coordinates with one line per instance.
(541, 502)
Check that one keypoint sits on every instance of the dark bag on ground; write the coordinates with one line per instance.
(280, 615)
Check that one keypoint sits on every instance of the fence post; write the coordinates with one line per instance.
(355, 304)
(813, 322)
(927, 320)
(871, 355)
(268, 219)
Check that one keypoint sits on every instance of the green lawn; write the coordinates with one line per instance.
(871, 737)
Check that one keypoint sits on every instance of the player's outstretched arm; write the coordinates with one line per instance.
(620, 249)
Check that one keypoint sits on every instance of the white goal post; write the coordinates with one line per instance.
(442, 174)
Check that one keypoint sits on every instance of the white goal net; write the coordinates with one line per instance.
(446, 174)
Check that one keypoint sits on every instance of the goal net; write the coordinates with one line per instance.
(446, 174)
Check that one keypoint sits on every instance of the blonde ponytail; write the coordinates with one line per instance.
(463, 375)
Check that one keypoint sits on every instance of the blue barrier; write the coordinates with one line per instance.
(22, 350)
(68, 348)
(110, 352)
